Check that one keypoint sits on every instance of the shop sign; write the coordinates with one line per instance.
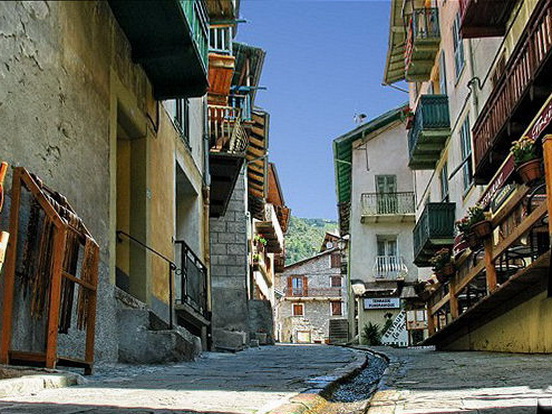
(397, 334)
(382, 303)
(502, 195)
(498, 181)
(542, 121)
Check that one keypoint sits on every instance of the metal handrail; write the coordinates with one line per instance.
(197, 301)
(389, 267)
(172, 267)
(375, 204)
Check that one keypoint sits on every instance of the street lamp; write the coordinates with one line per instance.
(358, 287)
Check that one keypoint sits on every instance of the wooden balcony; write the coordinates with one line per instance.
(314, 292)
(510, 269)
(431, 129)
(484, 18)
(169, 39)
(386, 207)
(422, 43)
(518, 95)
(228, 141)
(434, 230)
(270, 229)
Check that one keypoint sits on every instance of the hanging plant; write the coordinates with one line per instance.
(260, 239)
(443, 264)
(526, 159)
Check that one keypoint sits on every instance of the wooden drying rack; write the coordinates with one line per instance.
(49, 358)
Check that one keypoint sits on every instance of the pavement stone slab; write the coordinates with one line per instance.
(257, 380)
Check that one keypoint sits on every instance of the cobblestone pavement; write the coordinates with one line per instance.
(423, 381)
(253, 381)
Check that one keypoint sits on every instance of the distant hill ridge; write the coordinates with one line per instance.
(304, 237)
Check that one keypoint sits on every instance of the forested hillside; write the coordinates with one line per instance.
(304, 237)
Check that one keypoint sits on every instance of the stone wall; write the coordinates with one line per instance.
(317, 307)
(229, 272)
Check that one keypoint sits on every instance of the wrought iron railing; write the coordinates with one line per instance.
(389, 268)
(432, 113)
(191, 279)
(422, 24)
(436, 222)
(376, 204)
(196, 14)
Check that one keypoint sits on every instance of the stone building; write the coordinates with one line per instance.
(479, 79)
(312, 308)
(104, 100)
(377, 206)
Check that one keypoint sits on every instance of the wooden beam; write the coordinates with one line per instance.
(490, 268)
(547, 152)
(434, 309)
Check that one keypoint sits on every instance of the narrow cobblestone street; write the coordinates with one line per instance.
(254, 381)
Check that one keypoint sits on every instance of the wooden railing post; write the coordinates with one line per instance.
(490, 268)
(430, 322)
(453, 300)
(547, 152)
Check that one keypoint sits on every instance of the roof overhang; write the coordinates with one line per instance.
(394, 65)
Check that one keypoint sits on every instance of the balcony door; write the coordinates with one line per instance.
(386, 190)
(387, 261)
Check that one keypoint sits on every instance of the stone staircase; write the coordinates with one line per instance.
(339, 331)
(145, 338)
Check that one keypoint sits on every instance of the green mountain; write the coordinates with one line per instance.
(305, 236)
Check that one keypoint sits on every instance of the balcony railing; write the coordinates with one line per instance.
(191, 279)
(332, 292)
(511, 98)
(198, 21)
(226, 131)
(243, 103)
(387, 204)
(422, 43)
(220, 39)
(389, 268)
(427, 137)
(434, 230)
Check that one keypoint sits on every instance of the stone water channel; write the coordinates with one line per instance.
(352, 395)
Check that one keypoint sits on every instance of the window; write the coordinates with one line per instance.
(387, 246)
(442, 74)
(336, 281)
(458, 46)
(386, 190)
(182, 119)
(335, 260)
(297, 285)
(336, 308)
(444, 184)
(298, 309)
(465, 142)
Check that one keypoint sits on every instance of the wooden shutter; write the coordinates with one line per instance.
(305, 286)
(290, 285)
(336, 260)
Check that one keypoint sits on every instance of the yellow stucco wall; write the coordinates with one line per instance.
(526, 328)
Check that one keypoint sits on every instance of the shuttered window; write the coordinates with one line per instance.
(298, 309)
(335, 260)
(465, 142)
(458, 46)
(337, 308)
(336, 281)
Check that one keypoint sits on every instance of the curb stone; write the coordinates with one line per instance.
(34, 381)
(314, 397)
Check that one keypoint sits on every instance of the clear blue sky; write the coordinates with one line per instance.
(324, 63)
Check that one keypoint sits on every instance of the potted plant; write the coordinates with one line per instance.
(443, 265)
(259, 239)
(461, 242)
(409, 116)
(479, 223)
(528, 164)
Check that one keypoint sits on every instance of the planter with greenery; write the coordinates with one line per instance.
(479, 223)
(528, 164)
(443, 265)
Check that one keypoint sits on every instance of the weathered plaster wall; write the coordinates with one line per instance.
(68, 89)
(526, 328)
(370, 158)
